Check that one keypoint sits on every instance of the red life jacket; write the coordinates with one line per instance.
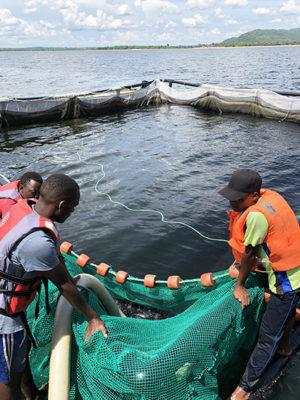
(10, 191)
(9, 195)
(17, 291)
(283, 237)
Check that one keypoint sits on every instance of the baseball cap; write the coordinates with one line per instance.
(241, 183)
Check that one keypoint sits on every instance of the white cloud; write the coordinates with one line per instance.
(234, 34)
(34, 3)
(30, 10)
(127, 36)
(99, 22)
(194, 21)
(219, 13)
(261, 11)
(17, 27)
(154, 6)
(200, 3)
(123, 9)
(75, 18)
(290, 7)
(6, 18)
(231, 22)
(226, 19)
(164, 37)
(90, 3)
(215, 31)
(236, 3)
(170, 25)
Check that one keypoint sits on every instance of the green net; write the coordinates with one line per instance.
(199, 353)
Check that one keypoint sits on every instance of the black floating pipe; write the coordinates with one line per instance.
(144, 84)
(171, 81)
(288, 93)
(283, 93)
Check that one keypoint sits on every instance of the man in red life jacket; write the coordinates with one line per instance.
(27, 187)
(264, 230)
(28, 254)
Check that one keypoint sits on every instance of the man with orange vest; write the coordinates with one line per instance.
(27, 187)
(29, 255)
(264, 230)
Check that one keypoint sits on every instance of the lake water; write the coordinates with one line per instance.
(172, 159)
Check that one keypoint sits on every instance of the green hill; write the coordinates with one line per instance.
(264, 37)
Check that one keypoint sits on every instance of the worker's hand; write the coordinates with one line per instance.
(242, 295)
(95, 325)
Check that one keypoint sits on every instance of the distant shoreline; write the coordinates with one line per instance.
(139, 48)
(254, 45)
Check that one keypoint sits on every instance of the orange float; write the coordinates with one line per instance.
(267, 297)
(174, 282)
(149, 280)
(121, 277)
(207, 279)
(82, 260)
(103, 269)
(233, 272)
(65, 247)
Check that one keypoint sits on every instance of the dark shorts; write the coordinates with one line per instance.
(279, 311)
(13, 353)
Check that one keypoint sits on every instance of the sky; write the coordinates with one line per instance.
(89, 23)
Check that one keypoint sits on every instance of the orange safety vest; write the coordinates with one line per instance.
(283, 237)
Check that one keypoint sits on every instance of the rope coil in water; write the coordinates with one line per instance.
(146, 210)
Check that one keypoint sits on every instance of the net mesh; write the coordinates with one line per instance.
(199, 353)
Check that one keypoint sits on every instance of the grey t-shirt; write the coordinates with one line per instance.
(36, 252)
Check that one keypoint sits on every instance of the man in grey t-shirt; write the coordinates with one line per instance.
(36, 256)
(36, 252)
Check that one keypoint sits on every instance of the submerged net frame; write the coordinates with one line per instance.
(283, 106)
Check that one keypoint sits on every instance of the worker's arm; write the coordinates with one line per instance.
(256, 230)
(37, 253)
(65, 283)
(247, 263)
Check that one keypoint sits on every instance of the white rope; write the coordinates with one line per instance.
(143, 210)
(4, 177)
(146, 210)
